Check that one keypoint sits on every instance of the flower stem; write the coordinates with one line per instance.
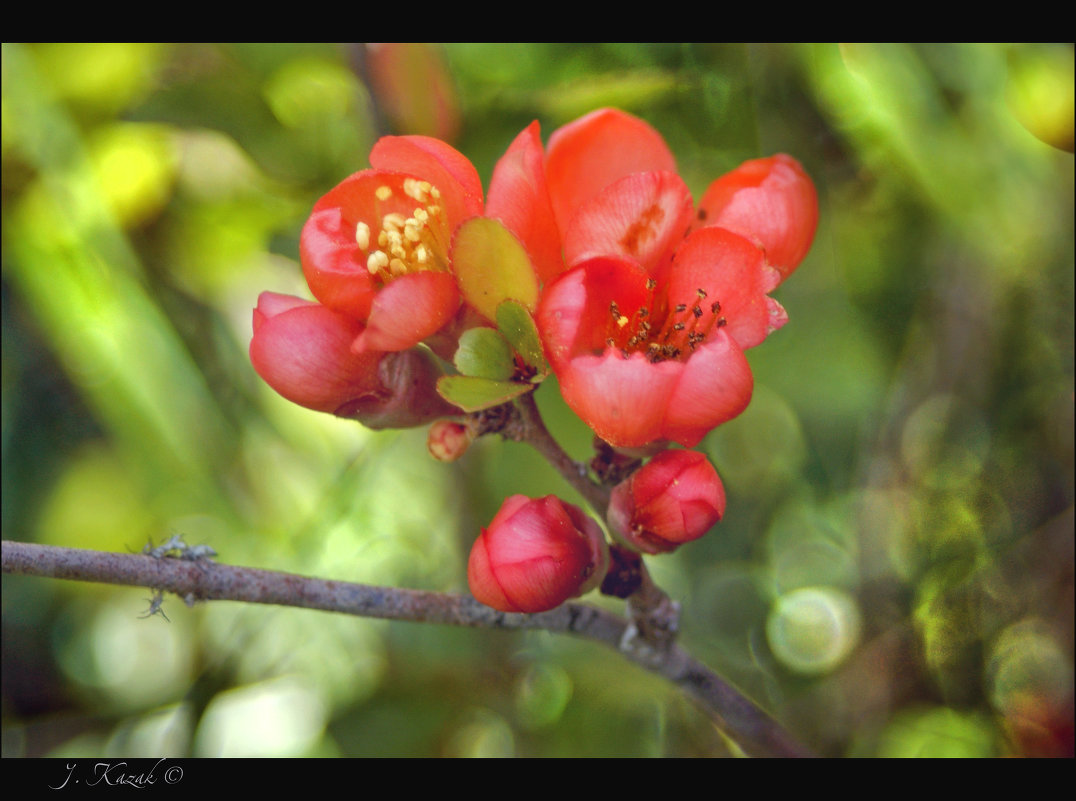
(532, 430)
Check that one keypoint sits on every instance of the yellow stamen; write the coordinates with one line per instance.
(362, 235)
(376, 261)
(394, 221)
(419, 190)
(406, 244)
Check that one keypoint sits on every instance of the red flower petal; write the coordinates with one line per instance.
(409, 309)
(519, 198)
(714, 387)
(333, 264)
(770, 201)
(303, 351)
(730, 272)
(585, 156)
(434, 161)
(623, 400)
(642, 216)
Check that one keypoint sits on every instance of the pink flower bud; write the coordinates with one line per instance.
(305, 352)
(535, 555)
(674, 498)
(449, 440)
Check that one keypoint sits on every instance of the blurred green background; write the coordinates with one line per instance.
(895, 572)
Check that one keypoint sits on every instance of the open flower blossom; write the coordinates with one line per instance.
(674, 498)
(647, 328)
(303, 350)
(376, 247)
(379, 252)
(379, 246)
(535, 555)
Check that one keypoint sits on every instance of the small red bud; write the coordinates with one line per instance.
(535, 555)
(674, 498)
(449, 440)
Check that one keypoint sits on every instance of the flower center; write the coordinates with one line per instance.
(683, 329)
(405, 244)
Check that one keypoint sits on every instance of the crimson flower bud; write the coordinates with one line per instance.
(535, 555)
(674, 498)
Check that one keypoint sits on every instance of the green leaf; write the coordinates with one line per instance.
(485, 354)
(516, 324)
(474, 394)
(491, 266)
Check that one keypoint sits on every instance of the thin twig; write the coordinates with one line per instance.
(753, 730)
(537, 435)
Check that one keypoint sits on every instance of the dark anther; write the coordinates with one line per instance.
(678, 327)
(681, 307)
(643, 311)
(696, 310)
(715, 307)
(722, 322)
(702, 214)
(702, 293)
(651, 283)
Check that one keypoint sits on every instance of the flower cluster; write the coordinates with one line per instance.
(646, 331)
(588, 259)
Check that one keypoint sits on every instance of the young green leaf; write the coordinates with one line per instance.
(514, 321)
(474, 394)
(485, 354)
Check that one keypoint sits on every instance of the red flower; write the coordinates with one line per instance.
(646, 333)
(535, 555)
(674, 498)
(303, 350)
(377, 246)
